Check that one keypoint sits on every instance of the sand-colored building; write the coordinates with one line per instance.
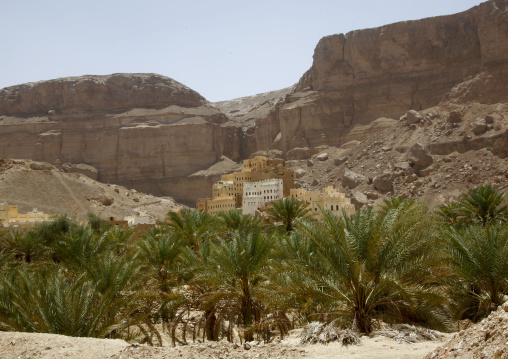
(10, 216)
(216, 205)
(329, 198)
(228, 192)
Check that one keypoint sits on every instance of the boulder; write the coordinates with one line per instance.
(412, 117)
(384, 182)
(340, 160)
(105, 200)
(358, 199)
(479, 126)
(300, 172)
(350, 144)
(454, 117)
(402, 166)
(371, 195)
(40, 166)
(298, 153)
(419, 155)
(352, 179)
(426, 171)
(322, 157)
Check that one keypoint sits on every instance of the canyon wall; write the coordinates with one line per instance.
(131, 127)
(384, 72)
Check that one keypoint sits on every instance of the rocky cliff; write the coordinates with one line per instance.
(136, 129)
(384, 72)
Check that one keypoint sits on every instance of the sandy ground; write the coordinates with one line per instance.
(48, 346)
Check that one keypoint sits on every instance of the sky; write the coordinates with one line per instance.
(223, 49)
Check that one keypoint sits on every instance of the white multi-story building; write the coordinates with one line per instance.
(258, 194)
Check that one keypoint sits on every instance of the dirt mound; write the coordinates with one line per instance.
(487, 339)
(48, 188)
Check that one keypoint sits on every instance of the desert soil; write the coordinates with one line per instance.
(49, 346)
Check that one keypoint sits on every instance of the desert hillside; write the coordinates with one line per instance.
(50, 189)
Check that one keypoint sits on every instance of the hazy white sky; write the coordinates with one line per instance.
(222, 49)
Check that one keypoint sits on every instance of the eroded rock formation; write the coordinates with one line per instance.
(131, 127)
(363, 75)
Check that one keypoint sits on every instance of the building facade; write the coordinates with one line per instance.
(231, 185)
(258, 194)
(329, 199)
(10, 217)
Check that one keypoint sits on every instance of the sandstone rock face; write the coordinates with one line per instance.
(387, 71)
(151, 133)
(129, 127)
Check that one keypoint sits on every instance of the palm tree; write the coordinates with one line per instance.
(162, 252)
(97, 223)
(477, 258)
(481, 205)
(235, 219)
(26, 246)
(48, 301)
(191, 225)
(368, 266)
(49, 231)
(287, 211)
(236, 273)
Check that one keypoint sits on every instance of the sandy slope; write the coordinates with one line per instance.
(53, 191)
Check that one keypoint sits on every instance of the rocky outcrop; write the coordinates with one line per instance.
(387, 71)
(113, 93)
(130, 127)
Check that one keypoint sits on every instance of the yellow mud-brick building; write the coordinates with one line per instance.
(230, 187)
(329, 199)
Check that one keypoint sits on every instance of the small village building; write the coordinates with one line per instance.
(329, 199)
(139, 218)
(231, 186)
(258, 194)
(10, 216)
